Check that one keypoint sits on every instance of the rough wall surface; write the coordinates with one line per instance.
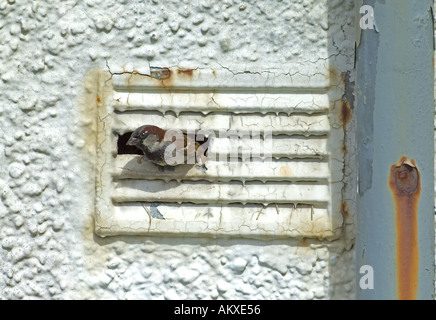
(47, 246)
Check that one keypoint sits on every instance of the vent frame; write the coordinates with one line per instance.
(286, 217)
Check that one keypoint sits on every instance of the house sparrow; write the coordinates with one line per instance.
(167, 147)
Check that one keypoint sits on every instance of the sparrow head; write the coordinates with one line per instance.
(143, 132)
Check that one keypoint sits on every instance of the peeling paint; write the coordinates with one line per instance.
(160, 73)
(404, 182)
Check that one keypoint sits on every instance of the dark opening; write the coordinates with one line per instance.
(123, 148)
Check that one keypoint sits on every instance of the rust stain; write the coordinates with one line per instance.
(185, 72)
(344, 210)
(98, 99)
(347, 100)
(405, 184)
(166, 76)
(304, 241)
(344, 147)
(345, 112)
(160, 76)
(334, 75)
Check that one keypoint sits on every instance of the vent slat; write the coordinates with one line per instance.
(222, 79)
(220, 102)
(203, 192)
(127, 167)
(281, 124)
(226, 220)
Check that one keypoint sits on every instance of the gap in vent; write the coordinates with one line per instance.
(123, 148)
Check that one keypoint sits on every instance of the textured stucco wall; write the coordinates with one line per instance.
(47, 49)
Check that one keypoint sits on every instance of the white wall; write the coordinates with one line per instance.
(47, 246)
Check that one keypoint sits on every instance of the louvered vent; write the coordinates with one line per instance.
(295, 193)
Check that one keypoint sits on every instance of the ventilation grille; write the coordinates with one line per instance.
(296, 193)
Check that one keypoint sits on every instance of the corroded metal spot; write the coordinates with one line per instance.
(404, 178)
(404, 182)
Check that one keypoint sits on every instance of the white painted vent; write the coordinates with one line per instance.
(297, 193)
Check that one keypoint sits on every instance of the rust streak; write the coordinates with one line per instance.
(344, 147)
(405, 184)
(345, 112)
(344, 210)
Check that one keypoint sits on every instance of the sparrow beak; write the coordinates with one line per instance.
(132, 142)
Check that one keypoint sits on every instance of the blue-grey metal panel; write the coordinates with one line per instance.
(395, 110)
